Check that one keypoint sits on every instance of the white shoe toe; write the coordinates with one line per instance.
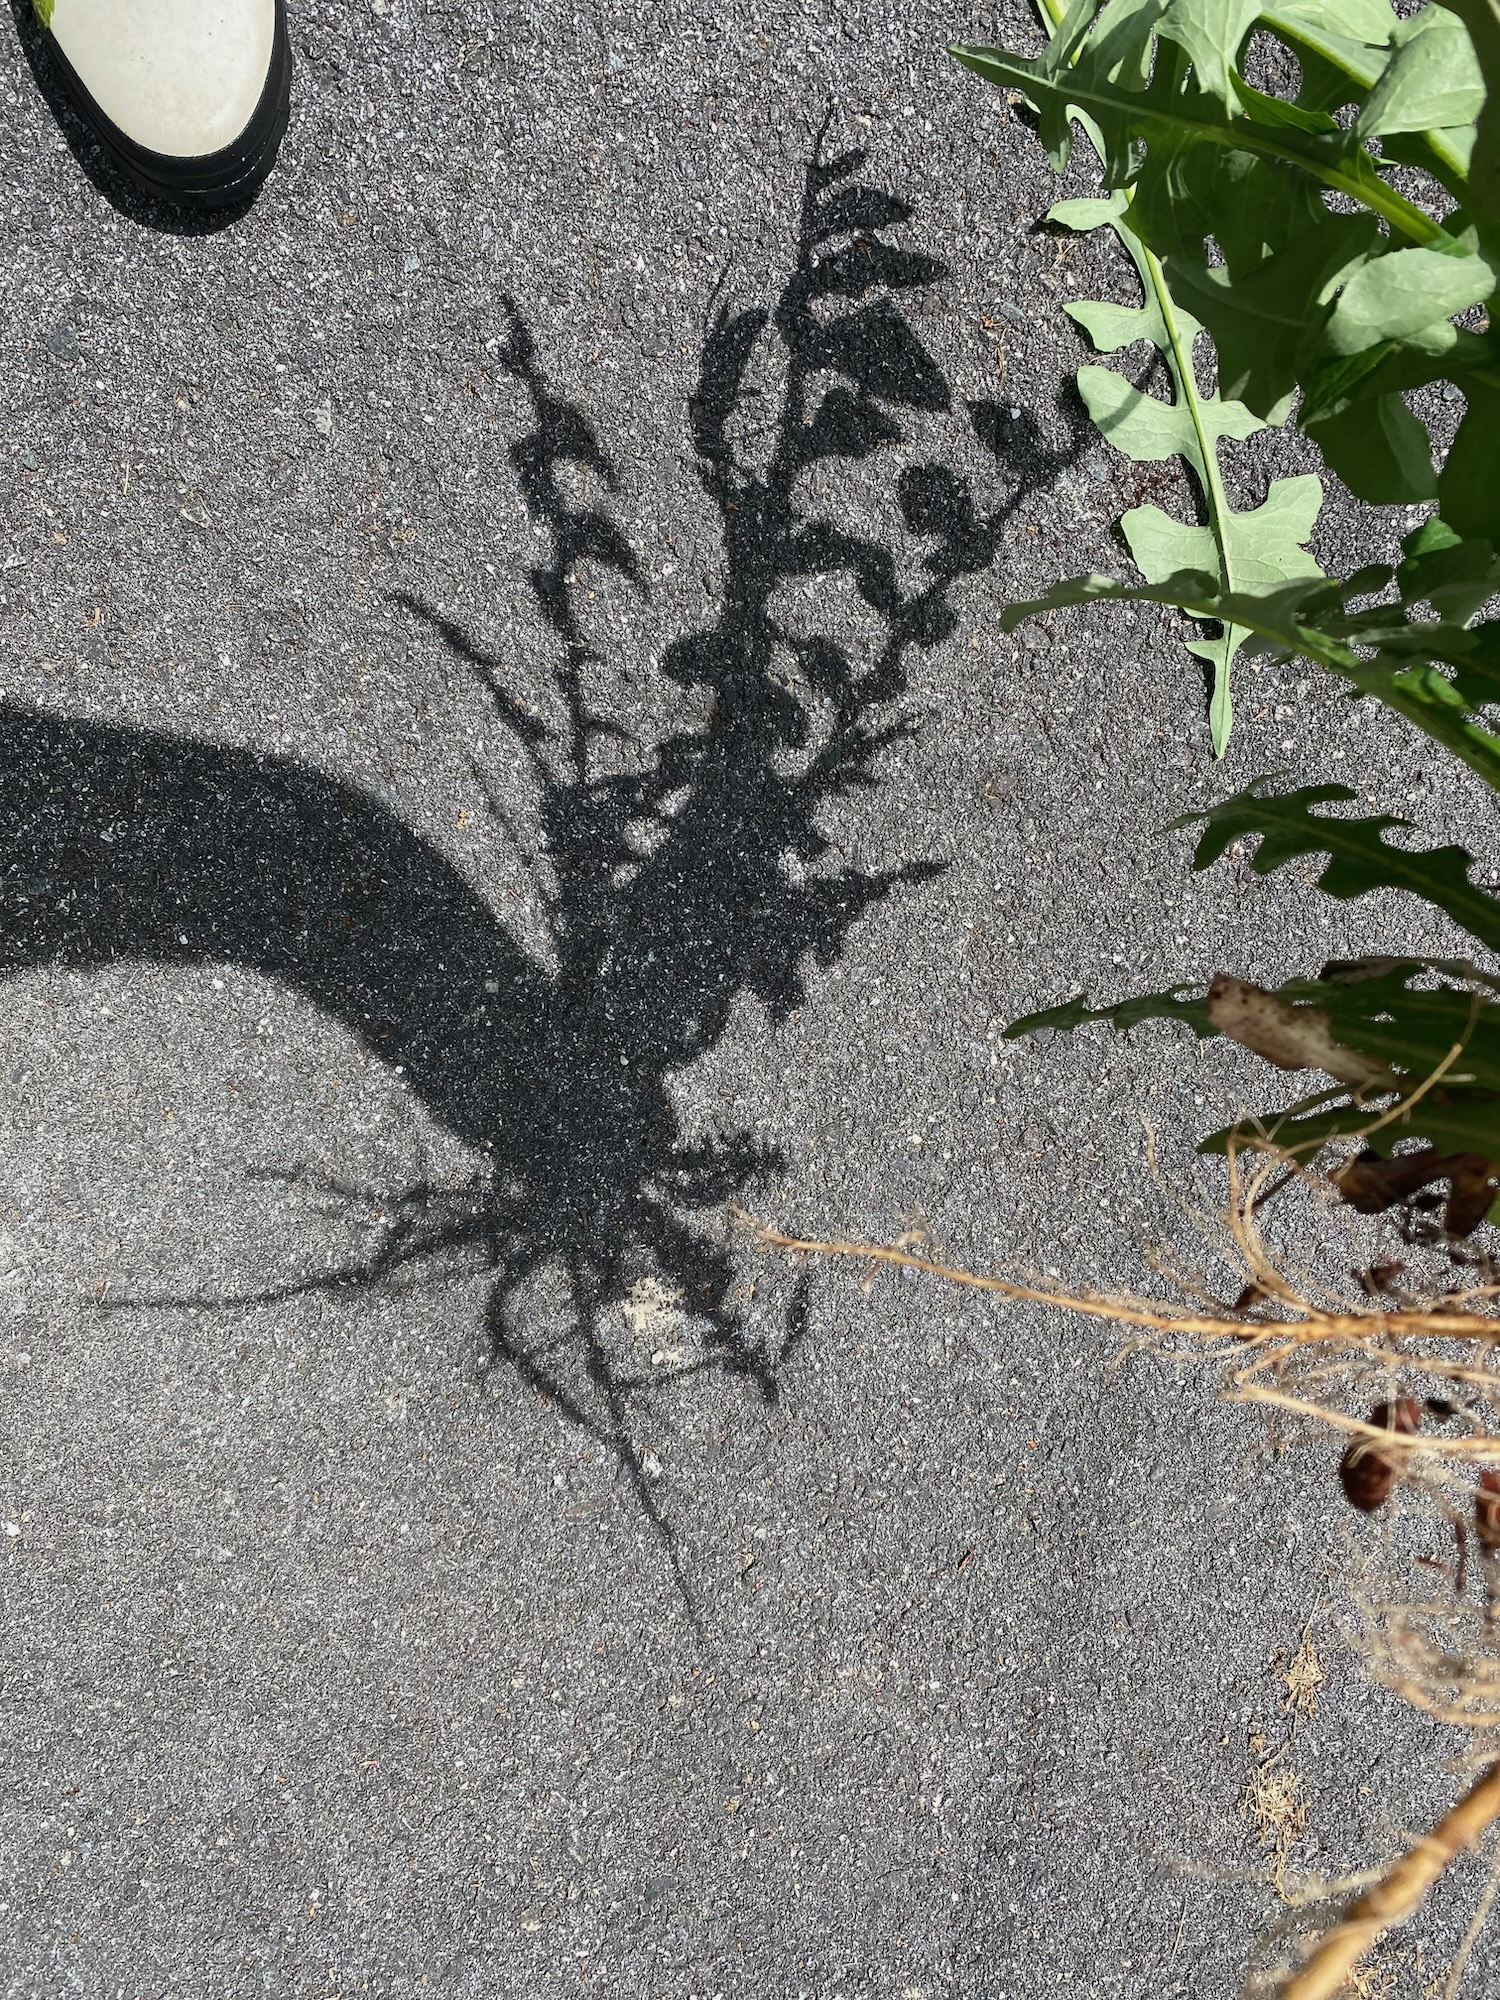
(180, 78)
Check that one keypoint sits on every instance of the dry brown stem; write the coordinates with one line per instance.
(1473, 1934)
(1298, 1346)
(1294, 1346)
(1397, 1894)
(1161, 1316)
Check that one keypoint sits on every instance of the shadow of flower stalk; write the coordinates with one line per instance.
(679, 865)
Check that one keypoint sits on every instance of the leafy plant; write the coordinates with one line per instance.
(1220, 192)
(1273, 219)
(1321, 284)
(1271, 225)
(1239, 547)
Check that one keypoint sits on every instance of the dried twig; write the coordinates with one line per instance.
(1397, 1894)
(1296, 1346)
(1161, 1316)
(1475, 1931)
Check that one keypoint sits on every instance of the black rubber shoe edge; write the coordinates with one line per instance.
(212, 180)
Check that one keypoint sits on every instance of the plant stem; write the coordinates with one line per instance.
(1187, 388)
(1397, 1894)
(1162, 1317)
(1473, 1934)
(1180, 360)
(1221, 706)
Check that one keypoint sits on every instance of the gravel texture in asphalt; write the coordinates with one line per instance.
(509, 752)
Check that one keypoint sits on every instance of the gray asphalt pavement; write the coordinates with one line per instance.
(509, 751)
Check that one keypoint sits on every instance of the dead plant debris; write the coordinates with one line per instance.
(1403, 1371)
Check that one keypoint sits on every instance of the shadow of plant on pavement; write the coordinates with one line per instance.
(676, 875)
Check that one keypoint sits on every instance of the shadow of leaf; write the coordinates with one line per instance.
(680, 873)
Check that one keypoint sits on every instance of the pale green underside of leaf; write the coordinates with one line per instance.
(1241, 549)
(1144, 427)
(1268, 540)
(1126, 114)
(1361, 24)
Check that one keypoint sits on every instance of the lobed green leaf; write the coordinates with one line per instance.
(1360, 858)
(1180, 1003)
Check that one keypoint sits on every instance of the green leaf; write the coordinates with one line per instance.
(1482, 19)
(1431, 537)
(1225, 215)
(1241, 548)
(1267, 546)
(1343, 49)
(1340, 30)
(1111, 327)
(1379, 1010)
(1416, 1030)
(1340, 378)
(1204, 204)
(1432, 83)
(1186, 588)
(1144, 427)
(1440, 352)
(1213, 161)
(1280, 110)
(1266, 321)
(1468, 488)
(1457, 1123)
(1360, 859)
(1211, 31)
(1455, 577)
(1477, 679)
(1171, 115)
(1302, 295)
(1402, 293)
(1309, 616)
(1091, 213)
(1269, 539)
(1380, 451)
(1174, 1005)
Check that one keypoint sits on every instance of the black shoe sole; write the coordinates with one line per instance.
(226, 179)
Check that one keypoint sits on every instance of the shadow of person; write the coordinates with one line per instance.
(676, 878)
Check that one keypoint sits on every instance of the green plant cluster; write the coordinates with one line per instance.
(1333, 230)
